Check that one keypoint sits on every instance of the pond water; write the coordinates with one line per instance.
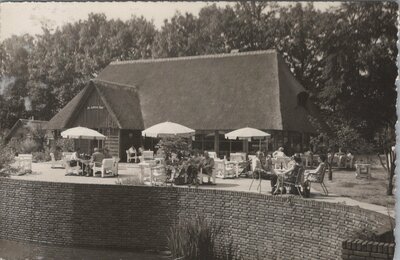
(11, 250)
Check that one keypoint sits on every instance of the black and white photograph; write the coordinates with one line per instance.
(248, 130)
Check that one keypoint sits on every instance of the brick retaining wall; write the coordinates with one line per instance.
(271, 227)
(366, 250)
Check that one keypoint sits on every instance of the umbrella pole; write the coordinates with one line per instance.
(260, 145)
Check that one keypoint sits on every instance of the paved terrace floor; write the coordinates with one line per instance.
(44, 172)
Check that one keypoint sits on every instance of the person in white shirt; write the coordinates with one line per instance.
(279, 153)
(75, 155)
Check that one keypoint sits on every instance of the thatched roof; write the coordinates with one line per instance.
(225, 91)
(25, 123)
(121, 102)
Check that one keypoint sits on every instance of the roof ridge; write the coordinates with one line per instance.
(31, 120)
(130, 87)
(220, 55)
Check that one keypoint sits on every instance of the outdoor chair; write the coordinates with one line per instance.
(363, 170)
(317, 177)
(296, 182)
(130, 158)
(66, 158)
(106, 167)
(147, 155)
(240, 161)
(146, 175)
(159, 175)
(25, 162)
(224, 169)
(213, 155)
(201, 176)
(55, 163)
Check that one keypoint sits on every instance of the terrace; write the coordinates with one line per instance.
(345, 189)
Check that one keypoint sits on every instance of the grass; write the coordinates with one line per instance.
(371, 190)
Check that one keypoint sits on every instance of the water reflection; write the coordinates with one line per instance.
(11, 250)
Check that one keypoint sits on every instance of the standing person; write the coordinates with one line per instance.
(207, 165)
(97, 157)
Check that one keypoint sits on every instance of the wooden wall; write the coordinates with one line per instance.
(94, 114)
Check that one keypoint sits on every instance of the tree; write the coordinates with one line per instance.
(359, 69)
(64, 60)
(178, 37)
(298, 35)
(14, 75)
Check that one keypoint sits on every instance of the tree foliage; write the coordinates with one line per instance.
(344, 56)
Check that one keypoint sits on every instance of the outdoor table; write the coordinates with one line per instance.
(363, 170)
(85, 166)
(236, 165)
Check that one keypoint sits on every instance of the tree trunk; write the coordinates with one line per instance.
(389, 190)
(390, 170)
(330, 175)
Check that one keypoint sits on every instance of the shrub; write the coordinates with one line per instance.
(193, 239)
(65, 144)
(41, 156)
(22, 145)
(6, 159)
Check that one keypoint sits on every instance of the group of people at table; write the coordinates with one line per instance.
(85, 162)
(262, 167)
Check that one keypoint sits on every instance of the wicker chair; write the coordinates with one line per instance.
(296, 181)
(317, 177)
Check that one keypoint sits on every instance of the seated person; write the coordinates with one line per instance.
(140, 150)
(132, 151)
(313, 174)
(75, 157)
(279, 153)
(207, 165)
(291, 174)
(97, 157)
(260, 167)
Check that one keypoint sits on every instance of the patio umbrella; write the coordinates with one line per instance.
(168, 129)
(247, 133)
(82, 133)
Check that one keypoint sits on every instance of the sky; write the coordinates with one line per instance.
(21, 18)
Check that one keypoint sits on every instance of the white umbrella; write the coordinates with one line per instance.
(168, 129)
(247, 133)
(82, 133)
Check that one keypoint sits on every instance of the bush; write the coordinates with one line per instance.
(65, 145)
(41, 156)
(23, 145)
(6, 159)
